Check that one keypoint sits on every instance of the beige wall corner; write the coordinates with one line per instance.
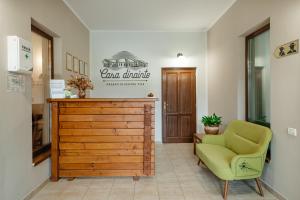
(226, 63)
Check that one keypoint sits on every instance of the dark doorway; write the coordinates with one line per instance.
(43, 71)
(258, 78)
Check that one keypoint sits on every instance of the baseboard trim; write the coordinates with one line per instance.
(36, 190)
(273, 191)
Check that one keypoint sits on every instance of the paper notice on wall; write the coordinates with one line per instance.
(15, 83)
(57, 89)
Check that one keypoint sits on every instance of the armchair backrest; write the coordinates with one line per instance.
(245, 138)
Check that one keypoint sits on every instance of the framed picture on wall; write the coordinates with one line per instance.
(86, 69)
(69, 62)
(75, 65)
(81, 67)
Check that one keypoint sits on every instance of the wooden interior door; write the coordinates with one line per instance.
(178, 104)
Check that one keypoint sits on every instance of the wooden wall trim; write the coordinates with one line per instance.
(147, 139)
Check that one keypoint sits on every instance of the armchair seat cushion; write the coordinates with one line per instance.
(217, 158)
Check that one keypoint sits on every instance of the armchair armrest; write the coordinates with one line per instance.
(214, 139)
(247, 165)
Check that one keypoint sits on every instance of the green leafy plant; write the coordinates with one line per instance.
(211, 120)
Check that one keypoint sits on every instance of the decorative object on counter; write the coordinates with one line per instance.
(68, 92)
(211, 124)
(57, 88)
(81, 83)
(150, 94)
(287, 49)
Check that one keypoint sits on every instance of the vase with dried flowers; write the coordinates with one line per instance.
(81, 83)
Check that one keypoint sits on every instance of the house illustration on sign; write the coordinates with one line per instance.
(124, 59)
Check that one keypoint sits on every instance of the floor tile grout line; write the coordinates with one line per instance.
(177, 178)
(42, 189)
(60, 193)
(134, 189)
(110, 190)
(156, 183)
(169, 161)
(157, 189)
(67, 186)
(155, 177)
(86, 190)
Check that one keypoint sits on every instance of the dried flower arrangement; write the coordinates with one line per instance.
(81, 83)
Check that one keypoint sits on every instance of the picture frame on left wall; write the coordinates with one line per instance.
(69, 62)
(81, 67)
(75, 65)
(86, 69)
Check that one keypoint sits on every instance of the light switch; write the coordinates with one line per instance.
(292, 131)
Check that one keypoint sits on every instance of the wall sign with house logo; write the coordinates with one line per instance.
(124, 69)
(287, 49)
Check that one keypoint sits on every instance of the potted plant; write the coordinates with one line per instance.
(211, 124)
(81, 83)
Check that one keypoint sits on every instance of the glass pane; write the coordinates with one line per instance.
(40, 92)
(259, 79)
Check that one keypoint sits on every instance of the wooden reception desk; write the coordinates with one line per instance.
(102, 137)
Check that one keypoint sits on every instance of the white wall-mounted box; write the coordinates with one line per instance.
(19, 55)
(292, 131)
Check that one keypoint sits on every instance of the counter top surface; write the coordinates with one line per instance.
(102, 99)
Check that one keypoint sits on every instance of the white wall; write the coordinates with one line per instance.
(226, 80)
(17, 175)
(159, 49)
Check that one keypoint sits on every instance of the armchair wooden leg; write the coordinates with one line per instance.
(199, 161)
(225, 190)
(259, 187)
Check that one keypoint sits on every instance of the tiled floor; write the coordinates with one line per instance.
(177, 178)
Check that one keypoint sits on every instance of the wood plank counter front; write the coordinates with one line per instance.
(102, 137)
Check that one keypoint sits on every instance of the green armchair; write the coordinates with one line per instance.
(237, 154)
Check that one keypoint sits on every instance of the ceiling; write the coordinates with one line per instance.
(149, 15)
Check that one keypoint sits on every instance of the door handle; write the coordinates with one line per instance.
(165, 105)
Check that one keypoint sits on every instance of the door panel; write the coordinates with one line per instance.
(185, 126)
(179, 104)
(172, 128)
(172, 93)
(185, 92)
